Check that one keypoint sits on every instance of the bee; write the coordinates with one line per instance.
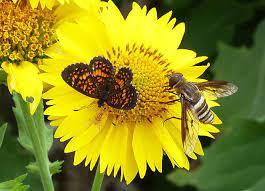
(194, 109)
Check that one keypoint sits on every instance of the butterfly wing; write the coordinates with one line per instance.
(101, 67)
(123, 94)
(124, 77)
(189, 128)
(217, 88)
(89, 79)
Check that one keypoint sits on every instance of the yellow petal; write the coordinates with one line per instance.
(175, 151)
(24, 79)
(147, 149)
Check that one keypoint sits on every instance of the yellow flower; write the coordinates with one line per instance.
(25, 34)
(51, 3)
(125, 140)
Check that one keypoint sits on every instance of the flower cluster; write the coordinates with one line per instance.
(25, 32)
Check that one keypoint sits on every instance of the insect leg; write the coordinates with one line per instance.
(170, 118)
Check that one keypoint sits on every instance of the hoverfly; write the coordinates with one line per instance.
(194, 107)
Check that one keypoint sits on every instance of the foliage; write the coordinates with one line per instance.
(2, 133)
(214, 21)
(233, 162)
(14, 185)
(246, 68)
(236, 160)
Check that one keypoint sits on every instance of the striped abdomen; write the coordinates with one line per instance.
(202, 111)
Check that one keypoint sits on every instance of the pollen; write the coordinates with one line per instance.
(24, 32)
(150, 78)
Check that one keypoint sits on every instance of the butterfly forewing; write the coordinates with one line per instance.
(78, 77)
(217, 88)
(89, 79)
(100, 66)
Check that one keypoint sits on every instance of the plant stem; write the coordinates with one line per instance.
(97, 180)
(39, 149)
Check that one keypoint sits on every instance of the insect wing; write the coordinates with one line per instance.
(124, 77)
(217, 88)
(123, 94)
(189, 128)
(101, 67)
(78, 77)
(124, 98)
(89, 79)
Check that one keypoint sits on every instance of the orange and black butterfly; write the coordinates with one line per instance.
(98, 80)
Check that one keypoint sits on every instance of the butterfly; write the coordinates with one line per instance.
(98, 80)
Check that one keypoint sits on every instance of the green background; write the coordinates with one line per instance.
(232, 34)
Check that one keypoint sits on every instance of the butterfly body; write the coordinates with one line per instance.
(98, 80)
(105, 94)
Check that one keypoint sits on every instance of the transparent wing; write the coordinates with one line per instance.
(217, 88)
(189, 128)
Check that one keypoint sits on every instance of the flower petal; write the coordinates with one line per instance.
(24, 79)
(147, 149)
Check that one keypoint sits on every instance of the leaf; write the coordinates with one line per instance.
(3, 76)
(55, 167)
(234, 162)
(178, 5)
(2, 133)
(13, 161)
(14, 185)
(213, 21)
(246, 68)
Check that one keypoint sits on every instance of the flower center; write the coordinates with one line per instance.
(150, 72)
(24, 32)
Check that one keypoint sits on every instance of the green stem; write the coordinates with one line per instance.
(39, 149)
(97, 180)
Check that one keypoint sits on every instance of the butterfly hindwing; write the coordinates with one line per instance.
(124, 77)
(124, 98)
(123, 95)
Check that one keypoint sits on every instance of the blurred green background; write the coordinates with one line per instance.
(232, 34)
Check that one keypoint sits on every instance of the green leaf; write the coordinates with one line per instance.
(246, 68)
(55, 167)
(213, 21)
(14, 185)
(234, 162)
(2, 133)
(13, 161)
(3, 76)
